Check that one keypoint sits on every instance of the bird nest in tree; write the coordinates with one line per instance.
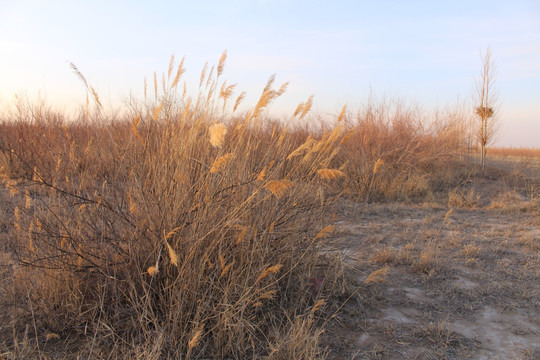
(484, 112)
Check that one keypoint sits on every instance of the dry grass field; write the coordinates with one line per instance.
(459, 280)
(179, 228)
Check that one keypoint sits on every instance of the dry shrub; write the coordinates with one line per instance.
(428, 261)
(506, 200)
(391, 153)
(182, 229)
(471, 252)
(463, 198)
(173, 232)
(404, 255)
(386, 255)
(301, 342)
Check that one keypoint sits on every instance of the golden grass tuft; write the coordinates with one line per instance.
(261, 175)
(152, 270)
(239, 100)
(377, 166)
(299, 109)
(242, 233)
(217, 134)
(194, 341)
(221, 63)
(278, 187)
(446, 219)
(471, 251)
(220, 163)
(330, 174)
(225, 270)
(320, 303)
(326, 231)
(172, 254)
(307, 106)
(134, 130)
(157, 111)
(267, 295)
(377, 276)
(96, 97)
(179, 72)
(342, 113)
(107, 191)
(303, 108)
(271, 270)
(265, 99)
(171, 66)
(52, 336)
(302, 149)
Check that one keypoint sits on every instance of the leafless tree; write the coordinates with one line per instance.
(485, 106)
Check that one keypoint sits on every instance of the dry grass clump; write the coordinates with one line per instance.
(463, 198)
(505, 200)
(182, 229)
(531, 243)
(471, 252)
(170, 233)
(390, 152)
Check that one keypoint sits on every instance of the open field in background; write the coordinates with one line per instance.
(183, 229)
(524, 168)
(515, 152)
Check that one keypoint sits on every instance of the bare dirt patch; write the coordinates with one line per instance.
(462, 283)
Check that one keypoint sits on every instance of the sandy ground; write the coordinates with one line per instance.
(456, 281)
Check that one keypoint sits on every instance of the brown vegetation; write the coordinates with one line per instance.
(515, 152)
(182, 229)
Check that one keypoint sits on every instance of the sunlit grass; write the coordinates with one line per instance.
(184, 229)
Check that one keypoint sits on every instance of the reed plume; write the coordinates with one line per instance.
(271, 270)
(377, 276)
(330, 174)
(278, 187)
(220, 163)
(217, 134)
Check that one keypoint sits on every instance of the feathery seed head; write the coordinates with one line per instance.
(271, 270)
(239, 100)
(195, 339)
(172, 254)
(262, 174)
(278, 187)
(340, 117)
(179, 73)
(221, 63)
(378, 164)
(330, 174)
(325, 231)
(307, 106)
(377, 276)
(171, 65)
(217, 134)
(220, 163)
(152, 271)
(52, 336)
(447, 216)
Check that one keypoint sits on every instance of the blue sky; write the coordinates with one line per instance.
(427, 52)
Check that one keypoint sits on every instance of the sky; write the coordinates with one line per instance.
(426, 52)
